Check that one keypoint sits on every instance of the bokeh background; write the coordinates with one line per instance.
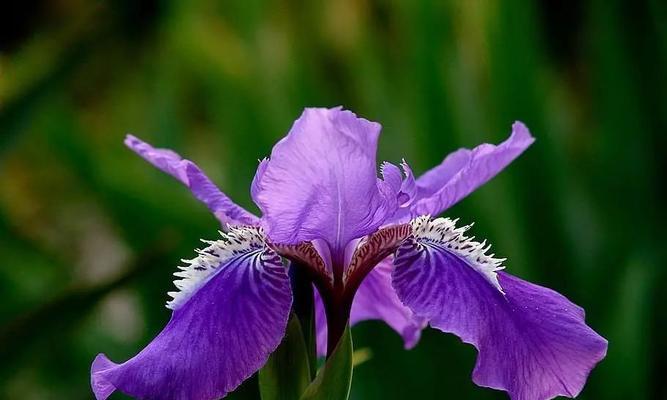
(90, 234)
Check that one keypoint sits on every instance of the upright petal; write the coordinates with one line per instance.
(321, 181)
(404, 187)
(376, 299)
(222, 330)
(199, 184)
(465, 170)
(532, 342)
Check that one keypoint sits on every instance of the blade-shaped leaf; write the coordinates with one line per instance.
(287, 373)
(334, 380)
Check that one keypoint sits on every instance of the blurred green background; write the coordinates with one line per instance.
(90, 234)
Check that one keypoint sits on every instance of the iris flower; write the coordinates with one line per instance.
(372, 250)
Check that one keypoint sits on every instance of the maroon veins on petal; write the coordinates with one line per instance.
(375, 299)
(338, 300)
(324, 208)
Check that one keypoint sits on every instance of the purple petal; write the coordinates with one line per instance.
(532, 342)
(376, 300)
(321, 181)
(192, 176)
(465, 170)
(215, 340)
(255, 186)
(404, 188)
(409, 185)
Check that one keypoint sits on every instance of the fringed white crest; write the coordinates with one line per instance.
(444, 232)
(197, 271)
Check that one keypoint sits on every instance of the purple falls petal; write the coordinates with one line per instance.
(321, 181)
(376, 300)
(532, 342)
(192, 176)
(214, 341)
(465, 170)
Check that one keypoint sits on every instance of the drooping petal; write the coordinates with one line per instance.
(376, 299)
(220, 333)
(532, 342)
(321, 181)
(199, 184)
(465, 170)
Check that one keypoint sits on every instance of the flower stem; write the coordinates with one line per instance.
(303, 306)
(338, 315)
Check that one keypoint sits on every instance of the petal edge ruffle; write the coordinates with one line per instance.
(465, 170)
(214, 341)
(532, 341)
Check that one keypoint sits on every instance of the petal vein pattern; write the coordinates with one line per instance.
(443, 231)
(223, 328)
(321, 181)
(532, 341)
(196, 272)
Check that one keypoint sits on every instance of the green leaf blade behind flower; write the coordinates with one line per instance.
(334, 380)
(287, 372)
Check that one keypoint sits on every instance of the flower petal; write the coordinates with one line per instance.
(404, 187)
(465, 170)
(321, 181)
(217, 338)
(376, 300)
(532, 342)
(192, 176)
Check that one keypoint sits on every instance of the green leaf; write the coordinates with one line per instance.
(287, 372)
(334, 380)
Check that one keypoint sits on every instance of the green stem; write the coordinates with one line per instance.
(304, 308)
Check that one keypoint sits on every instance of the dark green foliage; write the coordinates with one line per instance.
(90, 234)
(287, 373)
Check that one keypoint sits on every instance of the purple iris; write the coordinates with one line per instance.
(372, 250)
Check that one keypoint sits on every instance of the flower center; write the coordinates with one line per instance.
(338, 286)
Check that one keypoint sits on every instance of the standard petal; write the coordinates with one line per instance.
(376, 299)
(321, 181)
(216, 338)
(199, 184)
(532, 342)
(404, 188)
(465, 170)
